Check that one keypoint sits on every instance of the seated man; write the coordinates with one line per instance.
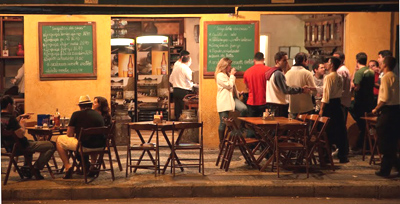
(17, 124)
(85, 118)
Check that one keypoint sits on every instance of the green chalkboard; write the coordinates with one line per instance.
(67, 50)
(237, 40)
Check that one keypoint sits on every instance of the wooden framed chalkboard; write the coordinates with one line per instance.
(67, 50)
(237, 40)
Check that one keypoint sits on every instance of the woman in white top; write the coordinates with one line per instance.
(227, 95)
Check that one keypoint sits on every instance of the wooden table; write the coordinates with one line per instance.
(162, 127)
(268, 139)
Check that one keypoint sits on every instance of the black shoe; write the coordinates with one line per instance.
(68, 173)
(26, 172)
(344, 161)
(38, 176)
(381, 174)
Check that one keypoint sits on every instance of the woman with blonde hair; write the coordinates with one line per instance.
(227, 95)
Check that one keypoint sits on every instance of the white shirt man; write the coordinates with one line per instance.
(181, 80)
(299, 76)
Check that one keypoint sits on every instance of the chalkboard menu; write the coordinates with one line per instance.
(67, 50)
(237, 40)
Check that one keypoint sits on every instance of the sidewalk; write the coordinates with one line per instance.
(354, 179)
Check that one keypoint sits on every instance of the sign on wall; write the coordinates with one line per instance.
(237, 40)
(67, 50)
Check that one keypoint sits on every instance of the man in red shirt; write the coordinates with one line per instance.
(255, 81)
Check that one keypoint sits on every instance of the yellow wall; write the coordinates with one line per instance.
(44, 97)
(367, 32)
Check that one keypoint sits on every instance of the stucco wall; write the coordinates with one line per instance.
(43, 97)
(282, 30)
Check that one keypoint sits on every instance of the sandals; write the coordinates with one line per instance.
(68, 173)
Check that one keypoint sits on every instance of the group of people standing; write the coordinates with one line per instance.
(91, 114)
(290, 91)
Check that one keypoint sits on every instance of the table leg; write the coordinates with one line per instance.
(170, 155)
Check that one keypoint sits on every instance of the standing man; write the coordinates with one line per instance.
(181, 80)
(384, 53)
(374, 65)
(277, 88)
(388, 120)
(254, 78)
(28, 147)
(330, 104)
(300, 76)
(344, 72)
(363, 95)
(319, 72)
(19, 80)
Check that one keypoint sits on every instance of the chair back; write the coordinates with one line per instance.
(312, 121)
(302, 117)
(182, 126)
(319, 127)
(112, 130)
(294, 132)
(94, 131)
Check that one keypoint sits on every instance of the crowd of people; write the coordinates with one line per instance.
(326, 90)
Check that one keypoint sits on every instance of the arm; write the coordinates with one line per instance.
(70, 131)
(357, 80)
(280, 82)
(20, 132)
(325, 94)
(383, 96)
(225, 81)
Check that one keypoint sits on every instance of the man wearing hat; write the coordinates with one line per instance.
(85, 118)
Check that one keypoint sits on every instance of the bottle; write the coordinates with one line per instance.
(130, 66)
(57, 117)
(161, 116)
(163, 65)
(5, 49)
(20, 51)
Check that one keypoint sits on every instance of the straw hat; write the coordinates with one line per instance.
(84, 100)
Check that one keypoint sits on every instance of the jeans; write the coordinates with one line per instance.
(239, 106)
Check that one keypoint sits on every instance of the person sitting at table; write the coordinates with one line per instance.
(227, 95)
(86, 117)
(100, 104)
(388, 120)
(28, 147)
(331, 106)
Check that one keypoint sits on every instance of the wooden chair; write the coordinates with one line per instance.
(372, 137)
(302, 117)
(293, 151)
(99, 152)
(8, 136)
(114, 146)
(144, 147)
(236, 139)
(266, 134)
(178, 146)
(319, 140)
